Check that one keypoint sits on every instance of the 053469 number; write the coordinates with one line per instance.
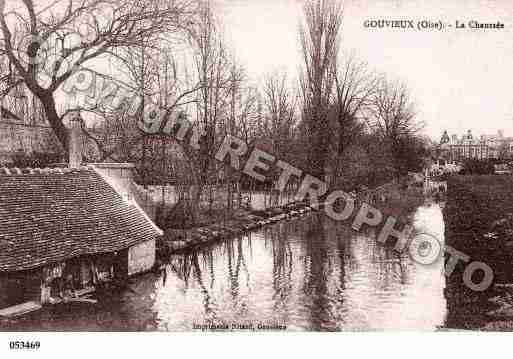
(24, 345)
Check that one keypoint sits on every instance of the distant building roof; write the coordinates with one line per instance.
(52, 215)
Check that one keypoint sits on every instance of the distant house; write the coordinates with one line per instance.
(67, 227)
(502, 169)
(469, 147)
(466, 147)
(440, 166)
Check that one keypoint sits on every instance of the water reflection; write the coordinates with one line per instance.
(309, 274)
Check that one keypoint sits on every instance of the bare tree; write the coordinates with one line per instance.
(280, 112)
(393, 116)
(503, 150)
(247, 122)
(278, 123)
(354, 87)
(212, 69)
(43, 52)
(319, 37)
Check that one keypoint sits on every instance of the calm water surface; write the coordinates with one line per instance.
(308, 274)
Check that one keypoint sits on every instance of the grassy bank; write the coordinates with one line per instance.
(479, 222)
(478, 217)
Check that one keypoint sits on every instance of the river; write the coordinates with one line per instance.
(306, 274)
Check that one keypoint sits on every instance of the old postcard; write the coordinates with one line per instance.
(244, 166)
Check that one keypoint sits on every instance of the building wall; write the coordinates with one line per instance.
(141, 257)
(15, 138)
(20, 287)
(120, 177)
(36, 285)
(487, 147)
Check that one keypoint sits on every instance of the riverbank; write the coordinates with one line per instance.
(272, 276)
(392, 199)
(242, 221)
(400, 202)
(479, 222)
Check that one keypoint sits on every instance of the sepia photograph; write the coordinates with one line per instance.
(255, 166)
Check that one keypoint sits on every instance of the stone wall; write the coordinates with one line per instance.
(141, 257)
(120, 177)
(14, 138)
(17, 288)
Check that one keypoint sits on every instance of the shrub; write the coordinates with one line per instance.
(478, 167)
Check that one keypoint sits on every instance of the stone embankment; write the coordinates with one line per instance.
(176, 240)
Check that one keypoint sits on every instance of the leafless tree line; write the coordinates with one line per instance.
(173, 52)
(342, 98)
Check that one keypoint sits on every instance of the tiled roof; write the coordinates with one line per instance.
(51, 215)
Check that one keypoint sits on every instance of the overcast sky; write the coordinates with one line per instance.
(460, 79)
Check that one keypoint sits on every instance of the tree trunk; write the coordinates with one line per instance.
(55, 122)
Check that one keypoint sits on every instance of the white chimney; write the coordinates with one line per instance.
(75, 142)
